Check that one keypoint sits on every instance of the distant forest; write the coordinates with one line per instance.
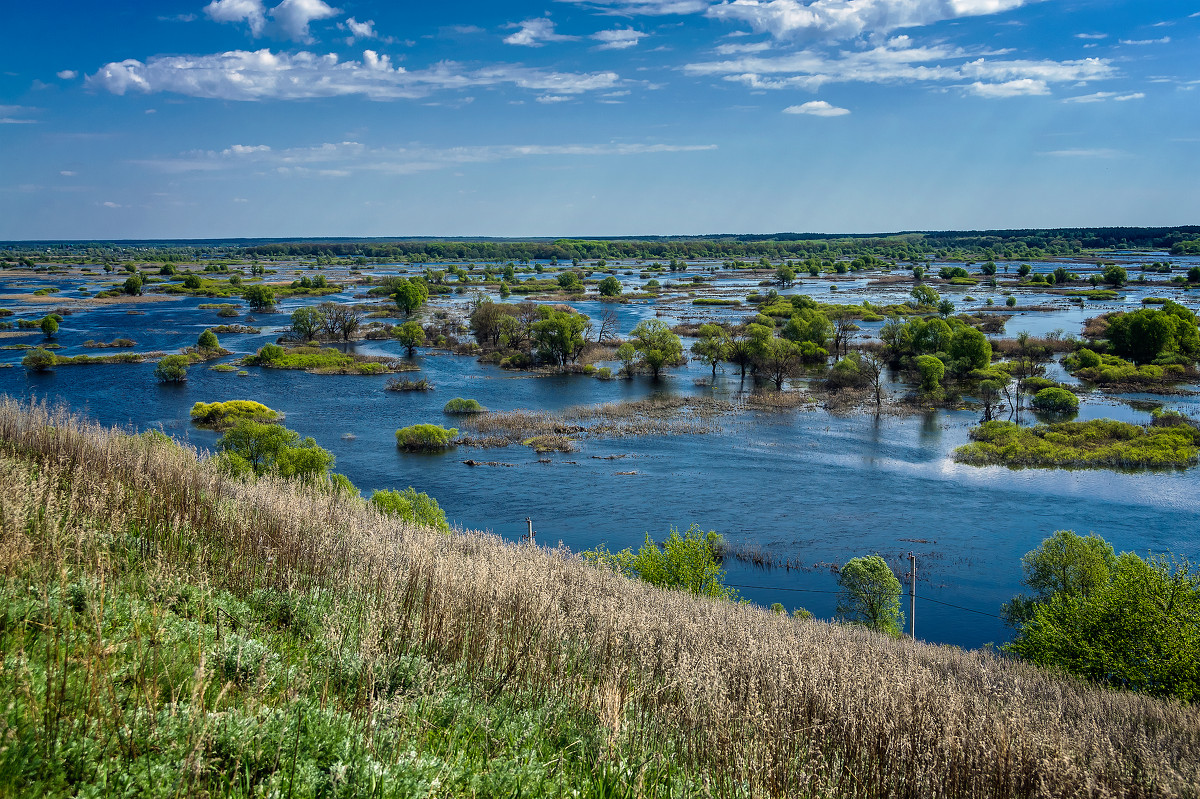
(904, 246)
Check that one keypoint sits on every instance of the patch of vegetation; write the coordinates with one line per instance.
(716, 301)
(1054, 399)
(1094, 444)
(458, 405)
(407, 384)
(115, 343)
(416, 508)
(425, 437)
(322, 360)
(224, 415)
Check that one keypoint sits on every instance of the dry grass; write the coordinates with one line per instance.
(760, 705)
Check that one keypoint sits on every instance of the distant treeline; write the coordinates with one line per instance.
(904, 246)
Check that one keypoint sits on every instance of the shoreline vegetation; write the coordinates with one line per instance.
(209, 635)
(1094, 444)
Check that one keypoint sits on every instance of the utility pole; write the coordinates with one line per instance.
(912, 594)
(529, 535)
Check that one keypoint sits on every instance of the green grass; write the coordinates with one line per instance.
(320, 360)
(715, 301)
(1094, 444)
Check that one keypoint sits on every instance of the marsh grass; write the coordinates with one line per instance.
(1094, 444)
(169, 631)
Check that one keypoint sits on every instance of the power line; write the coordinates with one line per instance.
(820, 591)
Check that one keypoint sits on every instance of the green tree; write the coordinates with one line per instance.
(1115, 275)
(712, 345)
(410, 294)
(656, 344)
(687, 562)
(208, 341)
(133, 285)
(172, 369)
(610, 287)
(569, 281)
(1053, 399)
(259, 297)
(870, 595)
(925, 296)
(261, 448)
(971, 348)
(785, 275)
(1065, 563)
(779, 359)
(307, 323)
(932, 371)
(558, 336)
(1123, 621)
(413, 507)
(191, 282)
(49, 326)
(410, 335)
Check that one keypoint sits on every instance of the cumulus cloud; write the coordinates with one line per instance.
(67, 74)
(340, 159)
(536, 32)
(291, 17)
(251, 12)
(817, 108)
(847, 19)
(618, 39)
(901, 61)
(359, 30)
(266, 75)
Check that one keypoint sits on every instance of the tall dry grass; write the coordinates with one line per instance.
(761, 705)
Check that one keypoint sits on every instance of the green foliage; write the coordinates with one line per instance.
(420, 509)
(425, 437)
(569, 281)
(932, 370)
(208, 341)
(687, 562)
(1119, 620)
(172, 369)
(307, 323)
(191, 282)
(656, 345)
(133, 285)
(410, 294)
(558, 335)
(1115, 275)
(809, 324)
(223, 415)
(1087, 359)
(869, 594)
(1097, 443)
(610, 287)
(969, 349)
(261, 448)
(410, 335)
(259, 297)
(712, 345)
(49, 326)
(38, 360)
(925, 295)
(1011, 301)
(1149, 334)
(460, 405)
(1055, 400)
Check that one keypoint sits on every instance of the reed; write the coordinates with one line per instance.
(665, 693)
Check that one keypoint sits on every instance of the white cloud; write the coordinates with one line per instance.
(1144, 42)
(1014, 88)
(618, 39)
(265, 75)
(293, 17)
(251, 12)
(67, 74)
(847, 19)
(362, 30)
(6, 112)
(111, 204)
(901, 61)
(342, 159)
(1100, 97)
(817, 108)
(553, 98)
(536, 32)
(1091, 36)
(739, 49)
(649, 8)
(67, 173)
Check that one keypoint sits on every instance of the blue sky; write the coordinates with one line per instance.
(595, 117)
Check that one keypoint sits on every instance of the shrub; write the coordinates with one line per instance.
(425, 437)
(49, 326)
(932, 371)
(269, 352)
(1087, 359)
(191, 282)
(1011, 302)
(686, 562)
(460, 405)
(1055, 400)
(208, 341)
(870, 595)
(38, 360)
(221, 415)
(172, 369)
(405, 384)
(610, 287)
(417, 508)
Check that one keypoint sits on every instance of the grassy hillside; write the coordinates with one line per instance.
(169, 632)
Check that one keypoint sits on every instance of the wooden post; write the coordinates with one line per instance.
(912, 594)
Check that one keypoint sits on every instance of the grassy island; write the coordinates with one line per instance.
(1094, 444)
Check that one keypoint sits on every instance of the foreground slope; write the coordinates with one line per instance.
(167, 631)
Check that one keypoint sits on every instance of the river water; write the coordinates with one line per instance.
(811, 487)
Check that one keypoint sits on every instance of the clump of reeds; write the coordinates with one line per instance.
(407, 384)
(748, 702)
